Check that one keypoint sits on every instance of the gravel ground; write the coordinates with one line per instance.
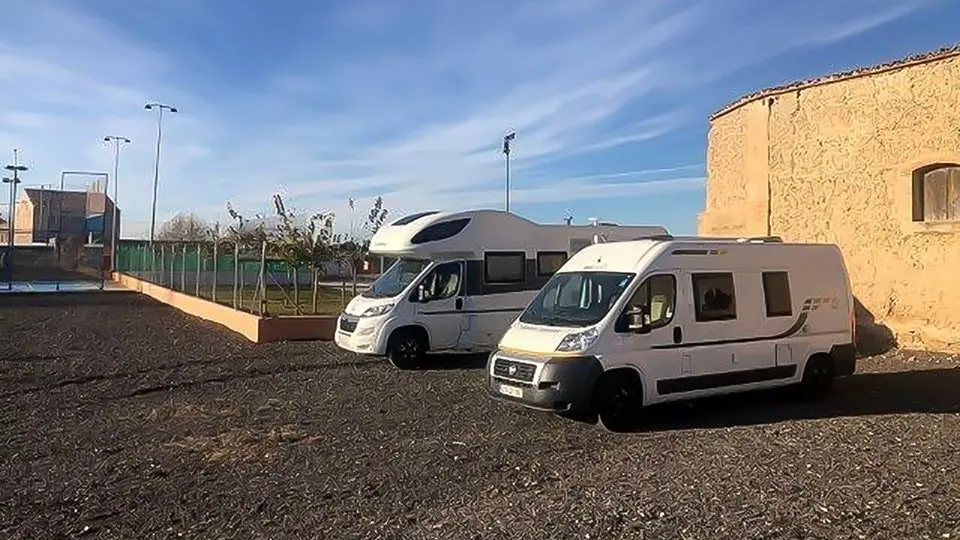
(122, 418)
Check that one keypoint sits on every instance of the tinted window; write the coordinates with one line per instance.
(659, 294)
(715, 298)
(576, 299)
(406, 220)
(549, 262)
(776, 293)
(396, 278)
(504, 267)
(443, 282)
(440, 231)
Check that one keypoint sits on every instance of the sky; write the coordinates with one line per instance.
(323, 101)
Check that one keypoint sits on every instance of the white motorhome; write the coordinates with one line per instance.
(460, 279)
(628, 324)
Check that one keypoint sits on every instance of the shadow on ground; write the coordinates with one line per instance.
(873, 338)
(455, 361)
(75, 298)
(934, 391)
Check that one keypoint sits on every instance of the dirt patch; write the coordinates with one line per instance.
(123, 418)
(242, 444)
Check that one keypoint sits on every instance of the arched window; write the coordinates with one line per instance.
(936, 192)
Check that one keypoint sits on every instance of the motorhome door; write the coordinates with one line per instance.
(440, 304)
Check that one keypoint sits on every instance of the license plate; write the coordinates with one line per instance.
(511, 391)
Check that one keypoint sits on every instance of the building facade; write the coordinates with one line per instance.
(869, 160)
(42, 214)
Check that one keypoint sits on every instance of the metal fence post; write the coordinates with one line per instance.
(163, 263)
(173, 261)
(196, 291)
(215, 269)
(263, 277)
(236, 272)
(183, 269)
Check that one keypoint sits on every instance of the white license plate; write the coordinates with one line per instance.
(511, 391)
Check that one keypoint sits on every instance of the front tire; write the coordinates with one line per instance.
(618, 400)
(406, 350)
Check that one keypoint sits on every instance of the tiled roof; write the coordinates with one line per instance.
(922, 58)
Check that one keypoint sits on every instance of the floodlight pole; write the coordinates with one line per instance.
(506, 151)
(16, 169)
(114, 232)
(160, 107)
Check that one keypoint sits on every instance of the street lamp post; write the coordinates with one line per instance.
(160, 107)
(506, 152)
(16, 169)
(114, 232)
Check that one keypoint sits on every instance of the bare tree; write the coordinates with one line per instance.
(354, 246)
(303, 244)
(184, 227)
(246, 238)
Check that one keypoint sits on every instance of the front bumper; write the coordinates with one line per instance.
(357, 334)
(558, 384)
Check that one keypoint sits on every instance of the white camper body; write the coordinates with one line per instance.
(460, 280)
(629, 324)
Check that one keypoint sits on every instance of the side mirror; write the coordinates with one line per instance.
(637, 320)
(422, 294)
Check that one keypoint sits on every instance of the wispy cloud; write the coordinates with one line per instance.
(406, 103)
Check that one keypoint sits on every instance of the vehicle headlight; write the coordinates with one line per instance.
(578, 341)
(376, 310)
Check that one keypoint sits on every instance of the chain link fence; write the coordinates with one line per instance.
(242, 277)
(59, 239)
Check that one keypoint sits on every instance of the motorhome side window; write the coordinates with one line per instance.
(659, 294)
(715, 298)
(504, 267)
(440, 231)
(776, 293)
(443, 282)
(548, 262)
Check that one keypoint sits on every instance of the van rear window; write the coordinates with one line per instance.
(776, 293)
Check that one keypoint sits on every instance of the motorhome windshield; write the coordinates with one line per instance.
(396, 278)
(576, 299)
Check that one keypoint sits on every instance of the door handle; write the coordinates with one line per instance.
(677, 334)
(458, 303)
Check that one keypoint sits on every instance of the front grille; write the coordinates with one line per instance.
(347, 325)
(510, 369)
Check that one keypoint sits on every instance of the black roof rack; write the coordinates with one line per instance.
(742, 239)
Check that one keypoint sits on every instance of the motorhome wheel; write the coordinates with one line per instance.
(406, 350)
(619, 400)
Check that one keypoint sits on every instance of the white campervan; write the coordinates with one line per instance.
(460, 279)
(627, 324)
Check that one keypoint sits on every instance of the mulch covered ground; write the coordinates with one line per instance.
(122, 418)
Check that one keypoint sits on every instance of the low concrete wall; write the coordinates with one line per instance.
(256, 329)
(303, 327)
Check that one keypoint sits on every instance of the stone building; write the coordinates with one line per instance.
(869, 160)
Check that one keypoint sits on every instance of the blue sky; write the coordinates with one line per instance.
(326, 100)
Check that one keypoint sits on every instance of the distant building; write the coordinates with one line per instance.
(869, 160)
(45, 214)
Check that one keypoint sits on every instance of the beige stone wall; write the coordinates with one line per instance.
(838, 168)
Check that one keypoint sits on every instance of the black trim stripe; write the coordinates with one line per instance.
(809, 304)
(794, 328)
(729, 378)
